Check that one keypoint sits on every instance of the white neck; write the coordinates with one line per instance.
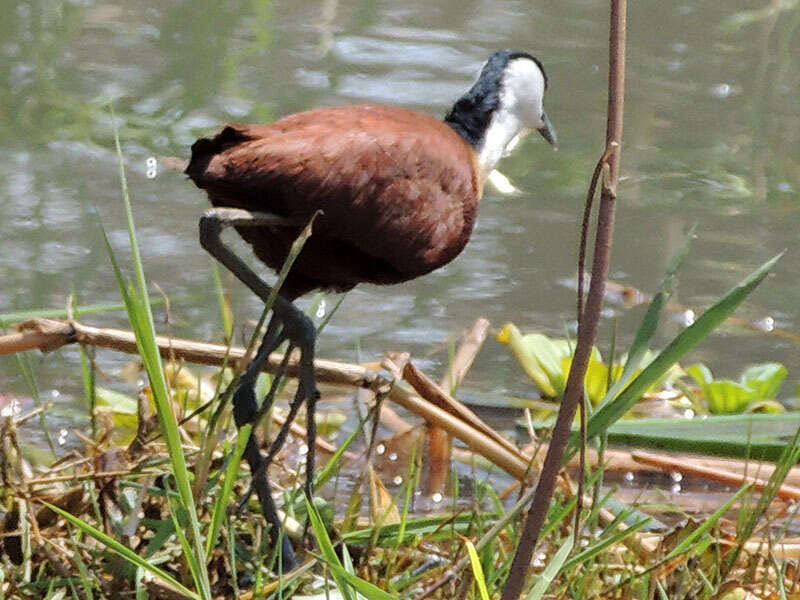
(503, 129)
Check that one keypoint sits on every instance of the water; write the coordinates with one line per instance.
(712, 136)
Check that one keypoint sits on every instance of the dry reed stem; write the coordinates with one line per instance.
(440, 443)
(588, 315)
(40, 333)
(685, 467)
(426, 388)
(471, 344)
(510, 461)
(623, 461)
(48, 334)
(76, 477)
(783, 549)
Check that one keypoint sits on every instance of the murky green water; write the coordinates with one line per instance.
(712, 136)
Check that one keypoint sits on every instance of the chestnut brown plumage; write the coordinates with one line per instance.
(398, 193)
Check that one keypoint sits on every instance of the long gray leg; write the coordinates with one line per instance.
(297, 327)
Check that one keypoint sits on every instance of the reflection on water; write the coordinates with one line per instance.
(712, 136)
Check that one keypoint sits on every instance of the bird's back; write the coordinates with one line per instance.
(398, 191)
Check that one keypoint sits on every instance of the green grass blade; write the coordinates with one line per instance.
(25, 368)
(365, 588)
(595, 549)
(477, 569)
(408, 490)
(787, 460)
(432, 528)
(347, 564)
(141, 318)
(644, 335)
(225, 311)
(141, 281)
(328, 552)
(178, 515)
(685, 341)
(334, 463)
(344, 580)
(550, 572)
(224, 493)
(690, 540)
(18, 316)
(330, 314)
(83, 571)
(89, 388)
(122, 550)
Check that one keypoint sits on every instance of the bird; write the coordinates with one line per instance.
(393, 195)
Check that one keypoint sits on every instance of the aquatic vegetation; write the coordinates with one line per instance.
(547, 362)
(755, 391)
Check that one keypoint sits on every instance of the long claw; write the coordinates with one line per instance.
(262, 489)
(280, 439)
(311, 441)
(241, 503)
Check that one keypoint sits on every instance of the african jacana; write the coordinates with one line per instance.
(398, 192)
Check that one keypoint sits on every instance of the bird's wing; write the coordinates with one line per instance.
(396, 184)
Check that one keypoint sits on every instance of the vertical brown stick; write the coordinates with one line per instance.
(439, 441)
(589, 319)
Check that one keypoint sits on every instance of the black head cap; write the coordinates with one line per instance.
(471, 114)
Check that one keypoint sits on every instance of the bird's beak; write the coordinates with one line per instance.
(548, 132)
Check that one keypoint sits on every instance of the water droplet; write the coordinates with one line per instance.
(393, 456)
(688, 317)
(676, 477)
(676, 488)
(303, 450)
(538, 561)
(55, 393)
(152, 167)
(380, 449)
(629, 477)
(62, 437)
(321, 309)
(437, 497)
(688, 413)
(765, 324)
(398, 479)
(721, 90)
